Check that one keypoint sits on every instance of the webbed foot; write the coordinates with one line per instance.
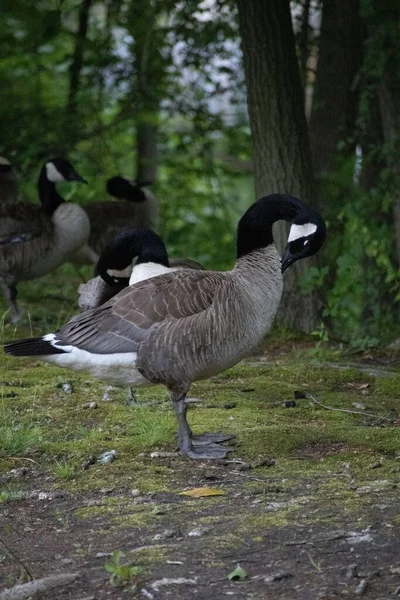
(207, 452)
(210, 438)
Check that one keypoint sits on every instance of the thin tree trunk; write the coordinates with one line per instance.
(77, 61)
(281, 148)
(304, 41)
(334, 105)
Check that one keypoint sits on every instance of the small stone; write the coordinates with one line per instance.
(89, 405)
(19, 472)
(106, 491)
(394, 570)
(107, 457)
(397, 591)
(377, 465)
(351, 571)
(66, 387)
(359, 406)
(67, 561)
(361, 588)
(199, 531)
(298, 394)
(278, 576)
(290, 404)
(135, 493)
(164, 454)
(106, 397)
(165, 535)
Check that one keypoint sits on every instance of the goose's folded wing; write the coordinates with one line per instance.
(126, 320)
(20, 222)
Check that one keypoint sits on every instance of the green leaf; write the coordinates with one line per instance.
(238, 574)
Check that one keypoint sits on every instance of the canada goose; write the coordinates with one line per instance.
(136, 207)
(8, 181)
(35, 240)
(133, 255)
(188, 325)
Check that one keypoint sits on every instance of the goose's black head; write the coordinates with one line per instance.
(127, 245)
(306, 236)
(125, 189)
(307, 231)
(59, 169)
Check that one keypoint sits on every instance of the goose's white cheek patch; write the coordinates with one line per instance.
(299, 231)
(52, 173)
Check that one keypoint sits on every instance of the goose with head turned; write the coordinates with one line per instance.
(133, 256)
(35, 240)
(185, 326)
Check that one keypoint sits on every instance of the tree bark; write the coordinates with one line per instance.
(334, 107)
(280, 142)
(304, 46)
(77, 61)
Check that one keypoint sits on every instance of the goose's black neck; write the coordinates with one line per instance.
(119, 254)
(48, 195)
(255, 226)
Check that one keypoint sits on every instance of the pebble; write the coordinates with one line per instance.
(107, 457)
(394, 570)
(89, 405)
(199, 531)
(290, 404)
(106, 397)
(66, 387)
(164, 535)
(19, 472)
(278, 576)
(361, 588)
(298, 394)
(359, 406)
(135, 493)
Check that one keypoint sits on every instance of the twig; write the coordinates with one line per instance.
(346, 410)
(18, 560)
(32, 588)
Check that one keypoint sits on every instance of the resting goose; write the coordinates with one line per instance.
(188, 325)
(8, 181)
(35, 240)
(133, 256)
(136, 207)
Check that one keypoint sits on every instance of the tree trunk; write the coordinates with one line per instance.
(77, 61)
(334, 105)
(279, 130)
(304, 46)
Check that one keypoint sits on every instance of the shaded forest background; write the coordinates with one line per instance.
(212, 100)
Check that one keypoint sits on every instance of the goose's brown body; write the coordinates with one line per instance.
(107, 219)
(33, 243)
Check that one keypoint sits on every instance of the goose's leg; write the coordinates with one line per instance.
(10, 293)
(187, 446)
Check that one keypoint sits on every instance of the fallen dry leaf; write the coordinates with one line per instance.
(203, 491)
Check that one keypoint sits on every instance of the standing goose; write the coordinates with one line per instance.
(116, 270)
(8, 181)
(35, 240)
(136, 207)
(188, 325)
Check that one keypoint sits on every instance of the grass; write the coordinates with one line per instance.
(43, 422)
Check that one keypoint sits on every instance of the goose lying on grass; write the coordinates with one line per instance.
(116, 270)
(180, 327)
(35, 240)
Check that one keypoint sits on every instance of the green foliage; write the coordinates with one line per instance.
(120, 574)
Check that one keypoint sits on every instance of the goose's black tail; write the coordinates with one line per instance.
(31, 347)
